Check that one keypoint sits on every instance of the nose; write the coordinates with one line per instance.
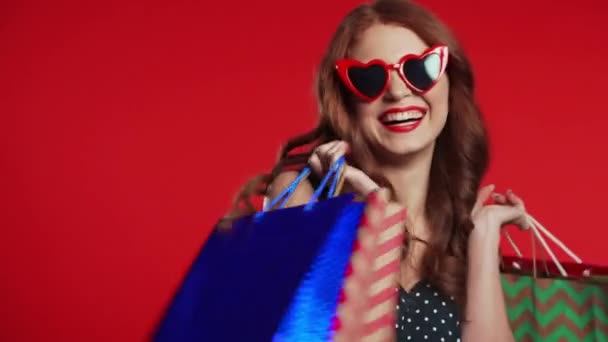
(397, 89)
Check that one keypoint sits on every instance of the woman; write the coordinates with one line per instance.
(395, 93)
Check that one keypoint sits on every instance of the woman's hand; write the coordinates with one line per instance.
(486, 312)
(324, 156)
(488, 219)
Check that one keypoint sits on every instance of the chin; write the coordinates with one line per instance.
(404, 149)
(408, 143)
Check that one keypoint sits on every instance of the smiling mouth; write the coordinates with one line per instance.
(399, 118)
(402, 120)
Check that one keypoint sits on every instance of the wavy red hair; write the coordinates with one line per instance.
(461, 153)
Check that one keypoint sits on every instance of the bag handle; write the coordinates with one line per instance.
(537, 234)
(335, 173)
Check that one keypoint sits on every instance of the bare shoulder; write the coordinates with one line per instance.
(301, 195)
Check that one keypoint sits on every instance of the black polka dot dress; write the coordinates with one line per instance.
(423, 314)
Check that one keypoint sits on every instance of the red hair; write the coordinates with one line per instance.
(461, 153)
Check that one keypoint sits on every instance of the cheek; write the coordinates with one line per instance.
(366, 111)
(438, 97)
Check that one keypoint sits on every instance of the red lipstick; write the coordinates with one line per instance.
(397, 124)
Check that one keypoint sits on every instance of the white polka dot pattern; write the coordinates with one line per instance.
(425, 314)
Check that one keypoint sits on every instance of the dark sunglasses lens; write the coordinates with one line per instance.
(369, 80)
(422, 73)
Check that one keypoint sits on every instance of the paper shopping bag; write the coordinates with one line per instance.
(545, 308)
(294, 274)
(549, 300)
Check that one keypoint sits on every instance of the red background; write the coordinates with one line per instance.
(127, 127)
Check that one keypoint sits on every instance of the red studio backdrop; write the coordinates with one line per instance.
(126, 128)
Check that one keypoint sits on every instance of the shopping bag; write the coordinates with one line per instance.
(549, 300)
(369, 295)
(282, 275)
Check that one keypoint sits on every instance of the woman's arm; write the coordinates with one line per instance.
(486, 312)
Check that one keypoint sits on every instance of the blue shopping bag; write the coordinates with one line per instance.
(275, 276)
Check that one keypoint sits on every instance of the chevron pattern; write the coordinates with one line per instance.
(552, 309)
(367, 308)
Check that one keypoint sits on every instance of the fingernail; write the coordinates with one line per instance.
(337, 324)
(341, 297)
(349, 271)
(509, 191)
(495, 196)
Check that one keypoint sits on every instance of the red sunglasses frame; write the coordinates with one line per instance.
(344, 64)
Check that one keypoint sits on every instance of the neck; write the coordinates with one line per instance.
(410, 180)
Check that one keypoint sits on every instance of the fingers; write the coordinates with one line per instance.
(519, 216)
(324, 156)
(317, 160)
(509, 208)
(336, 152)
(482, 197)
(323, 152)
(315, 164)
(514, 199)
(499, 198)
(522, 221)
(509, 198)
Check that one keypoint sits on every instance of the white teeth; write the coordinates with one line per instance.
(400, 116)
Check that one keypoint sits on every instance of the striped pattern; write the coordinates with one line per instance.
(546, 309)
(366, 311)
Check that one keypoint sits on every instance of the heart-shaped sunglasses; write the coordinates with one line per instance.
(370, 80)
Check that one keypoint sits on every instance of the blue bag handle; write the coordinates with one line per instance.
(285, 195)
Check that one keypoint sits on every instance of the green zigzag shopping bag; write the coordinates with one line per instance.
(554, 301)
